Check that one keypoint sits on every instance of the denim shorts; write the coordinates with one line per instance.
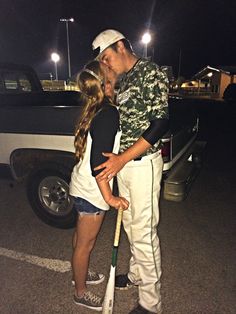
(82, 206)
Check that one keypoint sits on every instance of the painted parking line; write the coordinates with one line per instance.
(51, 264)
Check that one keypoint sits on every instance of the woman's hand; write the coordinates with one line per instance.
(118, 202)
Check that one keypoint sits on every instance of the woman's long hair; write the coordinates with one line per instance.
(92, 94)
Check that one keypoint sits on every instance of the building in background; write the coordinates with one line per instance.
(212, 81)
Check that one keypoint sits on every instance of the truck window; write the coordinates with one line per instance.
(16, 82)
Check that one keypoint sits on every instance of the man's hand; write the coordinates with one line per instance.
(112, 166)
(116, 162)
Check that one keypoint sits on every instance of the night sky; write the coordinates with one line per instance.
(204, 31)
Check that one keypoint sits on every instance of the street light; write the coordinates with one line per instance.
(55, 58)
(68, 41)
(209, 75)
(146, 38)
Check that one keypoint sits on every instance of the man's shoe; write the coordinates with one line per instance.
(90, 301)
(93, 278)
(140, 310)
(122, 282)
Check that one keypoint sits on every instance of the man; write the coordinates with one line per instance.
(143, 107)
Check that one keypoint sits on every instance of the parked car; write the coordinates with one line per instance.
(37, 143)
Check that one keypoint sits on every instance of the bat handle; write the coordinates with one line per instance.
(118, 227)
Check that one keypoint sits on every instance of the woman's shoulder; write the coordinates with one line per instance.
(108, 113)
(106, 117)
(107, 107)
(107, 103)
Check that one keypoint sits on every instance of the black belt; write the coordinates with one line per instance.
(138, 158)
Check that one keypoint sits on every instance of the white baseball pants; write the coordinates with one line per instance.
(139, 183)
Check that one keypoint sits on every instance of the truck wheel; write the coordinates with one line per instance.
(48, 193)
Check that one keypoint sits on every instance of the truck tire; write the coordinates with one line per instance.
(48, 194)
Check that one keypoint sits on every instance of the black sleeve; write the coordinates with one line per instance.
(156, 129)
(103, 131)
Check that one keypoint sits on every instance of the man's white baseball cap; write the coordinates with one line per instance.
(104, 40)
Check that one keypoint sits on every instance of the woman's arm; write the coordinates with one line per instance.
(110, 199)
(103, 131)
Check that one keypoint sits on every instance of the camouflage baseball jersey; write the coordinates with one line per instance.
(142, 97)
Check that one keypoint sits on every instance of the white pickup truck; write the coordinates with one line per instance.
(36, 143)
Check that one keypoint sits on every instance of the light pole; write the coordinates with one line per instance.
(55, 58)
(209, 75)
(68, 41)
(146, 38)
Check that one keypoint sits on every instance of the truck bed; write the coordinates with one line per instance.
(40, 112)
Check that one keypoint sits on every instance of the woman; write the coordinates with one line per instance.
(97, 131)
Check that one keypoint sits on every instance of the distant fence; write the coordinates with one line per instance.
(198, 92)
(53, 85)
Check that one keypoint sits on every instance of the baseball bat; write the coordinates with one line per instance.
(108, 302)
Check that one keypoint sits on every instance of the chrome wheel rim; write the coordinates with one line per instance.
(54, 196)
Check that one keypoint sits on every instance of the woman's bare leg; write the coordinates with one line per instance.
(87, 228)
